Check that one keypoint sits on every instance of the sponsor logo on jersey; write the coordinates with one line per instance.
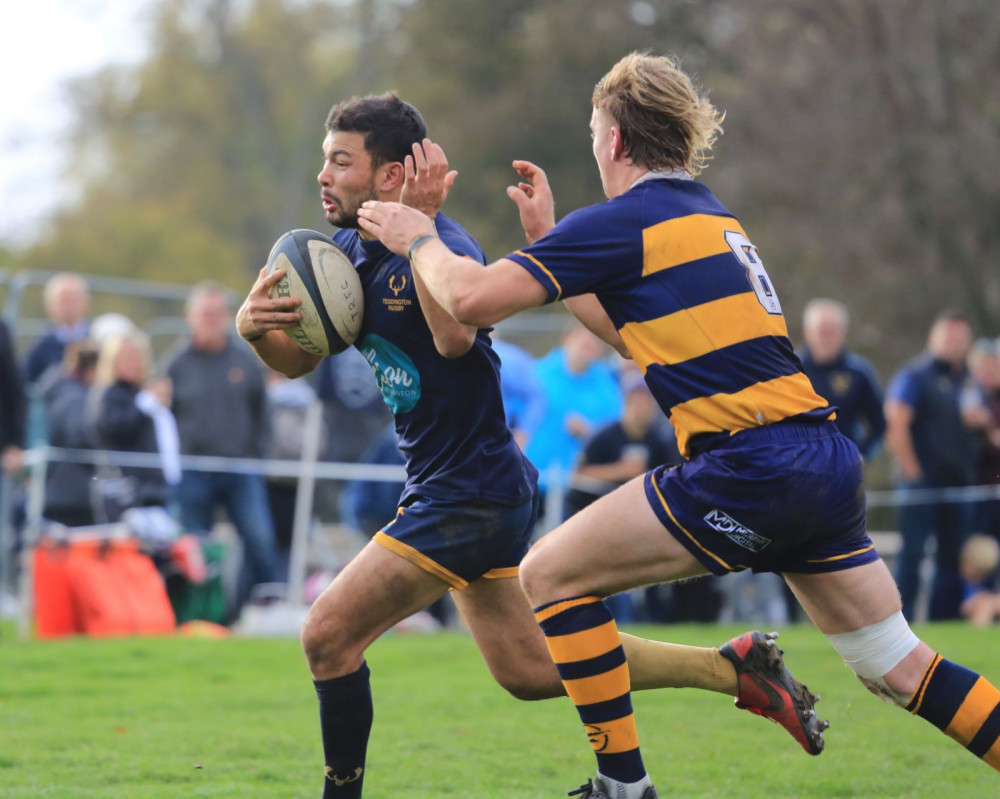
(735, 531)
(395, 373)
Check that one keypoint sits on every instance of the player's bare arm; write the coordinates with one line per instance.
(261, 314)
(426, 184)
(534, 200)
(452, 339)
(471, 294)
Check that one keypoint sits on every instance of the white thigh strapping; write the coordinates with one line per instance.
(873, 651)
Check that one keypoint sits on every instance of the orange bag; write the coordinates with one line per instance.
(145, 592)
(55, 608)
(101, 601)
(99, 588)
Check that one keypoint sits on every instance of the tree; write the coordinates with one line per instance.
(864, 142)
(193, 163)
(861, 147)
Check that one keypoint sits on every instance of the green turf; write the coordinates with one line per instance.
(237, 718)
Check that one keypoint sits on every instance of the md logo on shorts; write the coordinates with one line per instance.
(735, 531)
(395, 373)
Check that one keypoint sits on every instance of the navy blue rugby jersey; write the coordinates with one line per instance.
(449, 414)
(687, 292)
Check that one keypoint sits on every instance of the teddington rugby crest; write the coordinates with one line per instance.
(397, 284)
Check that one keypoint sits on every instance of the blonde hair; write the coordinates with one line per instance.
(112, 347)
(980, 557)
(664, 120)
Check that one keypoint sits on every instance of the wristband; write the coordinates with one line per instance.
(258, 337)
(418, 242)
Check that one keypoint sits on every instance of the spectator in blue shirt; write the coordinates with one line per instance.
(933, 448)
(523, 400)
(622, 449)
(841, 377)
(581, 394)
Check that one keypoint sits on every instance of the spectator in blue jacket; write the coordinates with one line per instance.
(841, 377)
(984, 365)
(933, 447)
(67, 301)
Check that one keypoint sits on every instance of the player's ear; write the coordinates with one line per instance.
(616, 144)
(390, 177)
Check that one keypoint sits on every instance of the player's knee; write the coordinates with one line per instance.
(874, 651)
(525, 691)
(311, 640)
(325, 647)
(537, 580)
(526, 574)
(528, 689)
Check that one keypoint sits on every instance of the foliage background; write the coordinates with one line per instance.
(862, 144)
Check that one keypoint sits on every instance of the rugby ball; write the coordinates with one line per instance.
(319, 273)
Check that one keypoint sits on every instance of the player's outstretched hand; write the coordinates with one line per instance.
(427, 180)
(261, 312)
(534, 200)
(397, 226)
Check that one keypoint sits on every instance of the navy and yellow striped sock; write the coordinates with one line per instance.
(583, 640)
(961, 704)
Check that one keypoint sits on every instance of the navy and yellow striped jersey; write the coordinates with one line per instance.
(688, 294)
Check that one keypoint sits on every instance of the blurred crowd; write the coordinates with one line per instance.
(583, 417)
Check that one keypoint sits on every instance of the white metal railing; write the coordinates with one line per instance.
(308, 470)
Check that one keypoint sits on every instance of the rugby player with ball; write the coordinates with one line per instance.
(470, 501)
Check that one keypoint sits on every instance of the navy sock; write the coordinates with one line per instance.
(345, 719)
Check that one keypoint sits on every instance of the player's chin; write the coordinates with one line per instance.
(344, 221)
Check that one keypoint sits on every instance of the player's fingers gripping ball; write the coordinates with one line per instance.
(319, 273)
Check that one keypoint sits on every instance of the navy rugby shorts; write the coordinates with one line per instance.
(786, 497)
(461, 541)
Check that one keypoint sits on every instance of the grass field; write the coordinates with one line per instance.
(179, 717)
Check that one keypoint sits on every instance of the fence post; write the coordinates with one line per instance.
(304, 502)
(38, 462)
(555, 494)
